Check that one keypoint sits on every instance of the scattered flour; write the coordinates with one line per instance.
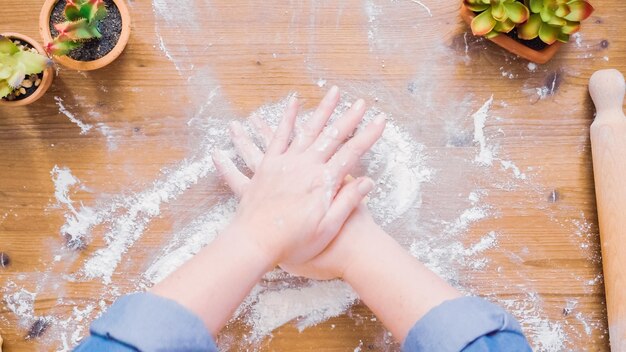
(469, 216)
(63, 182)
(578, 39)
(139, 210)
(509, 165)
(20, 302)
(396, 163)
(186, 243)
(84, 127)
(310, 304)
(108, 133)
(423, 6)
(486, 154)
(76, 222)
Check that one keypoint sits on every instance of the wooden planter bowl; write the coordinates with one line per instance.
(44, 29)
(46, 81)
(515, 47)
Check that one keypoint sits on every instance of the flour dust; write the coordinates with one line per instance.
(402, 166)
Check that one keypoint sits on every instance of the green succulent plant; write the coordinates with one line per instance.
(83, 19)
(496, 16)
(15, 63)
(553, 20)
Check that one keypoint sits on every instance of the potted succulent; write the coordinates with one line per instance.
(532, 29)
(26, 72)
(85, 34)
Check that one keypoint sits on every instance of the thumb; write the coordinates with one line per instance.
(348, 199)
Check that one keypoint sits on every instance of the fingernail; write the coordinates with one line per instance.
(235, 128)
(218, 155)
(333, 91)
(380, 119)
(359, 104)
(256, 121)
(365, 186)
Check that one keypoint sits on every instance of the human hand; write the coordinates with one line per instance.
(293, 206)
(332, 262)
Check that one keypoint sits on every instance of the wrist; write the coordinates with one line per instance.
(368, 241)
(242, 239)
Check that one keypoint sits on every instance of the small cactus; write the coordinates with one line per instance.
(83, 18)
(553, 20)
(15, 63)
(496, 16)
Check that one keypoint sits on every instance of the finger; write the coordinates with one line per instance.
(263, 130)
(348, 179)
(279, 143)
(248, 151)
(347, 157)
(318, 120)
(348, 199)
(327, 143)
(233, 177)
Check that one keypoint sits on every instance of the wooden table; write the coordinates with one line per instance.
(428, 72)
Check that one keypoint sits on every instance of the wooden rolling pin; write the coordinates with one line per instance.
(608, 145)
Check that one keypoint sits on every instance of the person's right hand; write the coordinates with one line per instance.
(333, 262)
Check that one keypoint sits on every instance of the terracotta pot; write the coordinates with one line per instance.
(517, 48)
(44, 29)
(46, 81)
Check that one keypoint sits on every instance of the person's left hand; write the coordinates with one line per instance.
(358, 229)
(293, 206)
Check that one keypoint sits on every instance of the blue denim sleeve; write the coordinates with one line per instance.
(146, 322)
(468, 324)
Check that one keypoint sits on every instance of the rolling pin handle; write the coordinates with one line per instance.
(607, 90)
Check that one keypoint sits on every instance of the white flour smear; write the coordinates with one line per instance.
(311, 304)
(487, 153)
(445, 254)
(547, 335)
(423, 6)
(76, 222)
(396, 163)
(138, 210)
(84, 127)
(166, 12)
(20, 302)
(190, 240)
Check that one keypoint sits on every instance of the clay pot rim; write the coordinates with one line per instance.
(513, 46)
(44, 30)
(48, 73)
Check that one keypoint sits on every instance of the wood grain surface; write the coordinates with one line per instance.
(428, 72)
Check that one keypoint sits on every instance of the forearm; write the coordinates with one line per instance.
(215, 281)
(393, 284)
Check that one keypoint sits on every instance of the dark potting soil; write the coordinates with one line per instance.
(32, 89)
(536, 44)
(93, 49)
